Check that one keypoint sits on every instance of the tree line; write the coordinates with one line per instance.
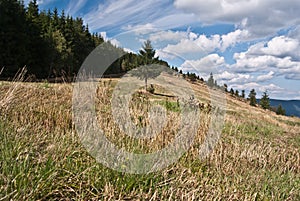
(49, 43)
(263, 103)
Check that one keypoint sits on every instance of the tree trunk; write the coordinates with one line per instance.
(146, 81)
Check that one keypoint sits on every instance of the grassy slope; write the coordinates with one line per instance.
(41, 156)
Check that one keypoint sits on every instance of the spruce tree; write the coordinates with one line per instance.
(252, 97)
(232, 91)
(280, 110)
(148, 59)
(211, 81)
(226, 87)
(237, 93)
(243, 94)
(265, 101)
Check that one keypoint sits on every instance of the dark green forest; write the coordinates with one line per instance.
(49, 43)
(54, 45)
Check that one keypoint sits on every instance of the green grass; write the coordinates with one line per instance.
(42, 158)
(170, 106)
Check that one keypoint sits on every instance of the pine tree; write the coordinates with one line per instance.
(211, 81)
(237, 93)
(148, 59)
(147, 53)
(280, 110)
(232, 91)
(252, 97)
(243, 94)
(13, 37)
(265, 101)
(226, 87)
(37, 44)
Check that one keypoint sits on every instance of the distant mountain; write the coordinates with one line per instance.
(292, 107)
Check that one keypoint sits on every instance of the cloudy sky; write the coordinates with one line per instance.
(244, 43)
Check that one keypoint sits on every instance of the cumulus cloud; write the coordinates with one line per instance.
(263, 78)
(201, 44)
(208, 64)
(260, 17)
(232, 38)
(279, 55)
(114, 42)
(273, 89)
(233, 78)
(281, 46)
(169, 36)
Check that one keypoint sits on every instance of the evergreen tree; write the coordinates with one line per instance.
(265, 101)
(226, 87)
(232, 91)
(211, 81)
(13, 37)
(37, 58)
(280, 110)
(243, 94)
(52, 44)
(148, 59)
(147, 54)
(252, 97)
(237, 93)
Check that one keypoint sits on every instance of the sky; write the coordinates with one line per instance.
(244, 43)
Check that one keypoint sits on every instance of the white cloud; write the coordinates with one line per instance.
(116, 14)
(272, 89)
(281, 46)
(232, 38)
(263, 78)
(208, 64)
(166, 55)
(202, 44)
(39, 2)
(114, 42)
(232, 78)
(291, 73)
(75, 6)
(104, 35)
(280, 55)
(260, 17)
(141, 29)
(169, 36)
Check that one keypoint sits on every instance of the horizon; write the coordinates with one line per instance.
(281, 99)
(237, 41)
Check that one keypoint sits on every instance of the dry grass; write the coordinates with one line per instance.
(41, 157)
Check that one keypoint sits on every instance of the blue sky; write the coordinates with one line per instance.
(245, 43)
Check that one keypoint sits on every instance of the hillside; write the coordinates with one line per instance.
(292, 107)
(42, 158)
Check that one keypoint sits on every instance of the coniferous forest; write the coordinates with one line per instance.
(49, 43)
(53, 45)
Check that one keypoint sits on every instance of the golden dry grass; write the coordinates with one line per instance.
(41, 156)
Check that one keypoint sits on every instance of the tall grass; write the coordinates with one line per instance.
(42, 158)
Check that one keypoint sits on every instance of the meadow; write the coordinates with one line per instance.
(42, 157)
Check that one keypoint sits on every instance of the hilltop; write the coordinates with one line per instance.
(257, 157)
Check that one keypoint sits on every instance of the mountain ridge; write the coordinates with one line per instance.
(292, 107)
